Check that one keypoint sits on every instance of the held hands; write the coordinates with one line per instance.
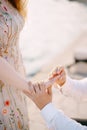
(41, 93)
(57, 76)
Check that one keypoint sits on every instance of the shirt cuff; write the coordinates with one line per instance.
(48, 112)
(67, 88)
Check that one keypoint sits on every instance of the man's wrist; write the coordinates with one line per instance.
(48, 112)
(43, 105)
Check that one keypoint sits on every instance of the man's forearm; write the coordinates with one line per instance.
(75, 88)
(56, 120)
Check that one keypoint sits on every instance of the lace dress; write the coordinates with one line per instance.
(13, 110)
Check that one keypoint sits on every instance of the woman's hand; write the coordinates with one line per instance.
(58, 75)
(40, 95)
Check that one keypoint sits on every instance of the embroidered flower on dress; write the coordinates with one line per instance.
(16, 114)
(7, 103)
(1, 85)
(5, 8)
(4, 128)
(4, 111)
(19, 125)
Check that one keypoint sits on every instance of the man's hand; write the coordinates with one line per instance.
(40, 95)
(59, 76)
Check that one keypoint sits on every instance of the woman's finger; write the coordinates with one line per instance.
(49, 83)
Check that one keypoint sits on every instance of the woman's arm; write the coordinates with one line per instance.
(9, 76)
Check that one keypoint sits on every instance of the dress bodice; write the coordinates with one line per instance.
(11, 23)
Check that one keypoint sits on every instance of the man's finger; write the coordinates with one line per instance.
(49, 91)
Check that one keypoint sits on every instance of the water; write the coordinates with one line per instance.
(52, 25)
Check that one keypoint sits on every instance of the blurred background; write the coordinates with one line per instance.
(52, 25)
(55, 33)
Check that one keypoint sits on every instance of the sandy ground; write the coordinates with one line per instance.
(70, 106)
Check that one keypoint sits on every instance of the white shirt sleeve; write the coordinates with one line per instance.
(75, 88)
(56, 120)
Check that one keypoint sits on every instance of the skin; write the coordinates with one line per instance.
(59, 75)
(41, 93)
(9, 76)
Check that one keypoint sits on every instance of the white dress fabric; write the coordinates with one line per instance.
(13, 109)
